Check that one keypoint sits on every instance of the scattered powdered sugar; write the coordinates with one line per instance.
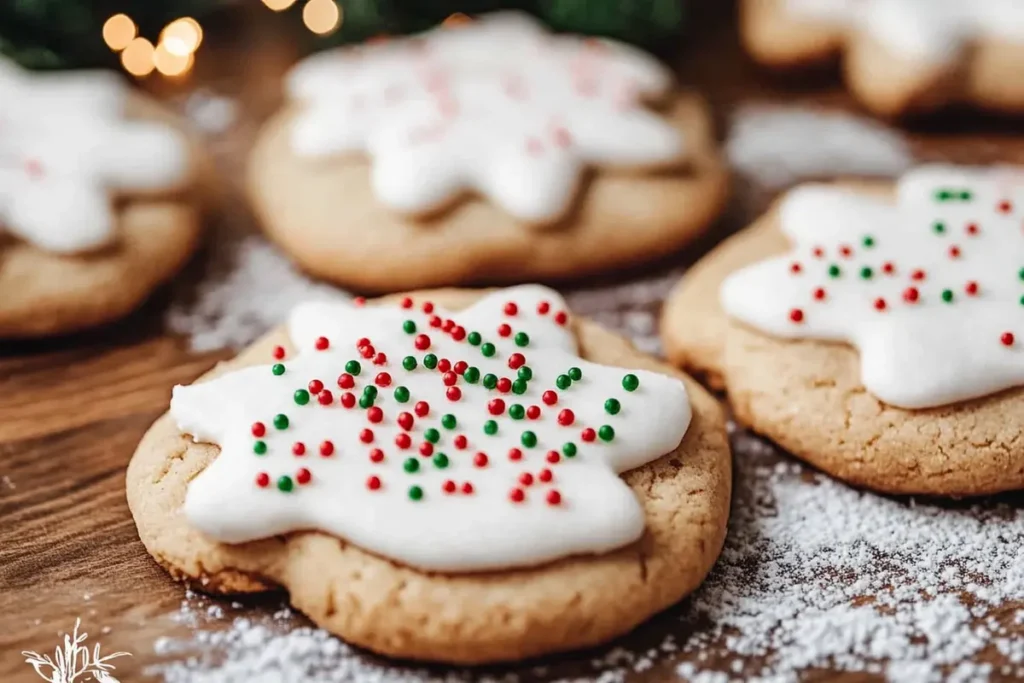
(776, 146)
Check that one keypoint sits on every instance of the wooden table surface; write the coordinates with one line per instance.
(72, 410)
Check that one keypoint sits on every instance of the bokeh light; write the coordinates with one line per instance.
(170, 64)
(137, 58)
(182, 36)
(278, 5)
(321, 16)
(457, 19)
(119, 31)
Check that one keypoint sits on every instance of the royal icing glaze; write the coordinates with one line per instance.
(66, 149)
(932, 30)
(499, 107)
(929, 289)
(447, 441)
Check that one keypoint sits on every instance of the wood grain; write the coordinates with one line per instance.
(72, 410)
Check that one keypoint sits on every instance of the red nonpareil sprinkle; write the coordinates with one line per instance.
(511, 308)
(322, 343)
(403, 441)
(553, 497)
(299, 448)
(880, 304)
(1005, 207)
(444, 365)
(845, 251)
(545, 475)
(549, 397)
(553, 457)
(303, 476)
(327, 447)
(263, 480)
(449, 325)
(426, 449)
(449, 378)
(453, 393)
(367, 351)
(504, 385)
(972, 229)
(526, 479)
(467, 488)
(376, 455)
(346, 381)
(382, 379)
(516, 361)
(315, 386)
(504, 330)
(515, 454)
(516, 495)
(428, 307)
(917, 274)
(543, 307)
(971, 288)
(448, 486)
(795, 268)
(373, 482)
(325, 398)
(363, 341)
(888, 268)
(406, 302)
(359, 301)
(460, 367)
(366, 436)
(278, 352)
(380, 359)
(495, 406)
(533, 412)
(480, 459)
(588, 434)
(796, 315)
(374, 414)
(422, 342)
(1007, 338)
(421, 408)
(818, 293)
(459, 333)
(460, 442)
(405, 421)
(348, 399)
(435, 321)
(258, 429)
(566, 417)
(911, 295)
(954, 252)
(561, 136)
(818, 252)
(561, 317)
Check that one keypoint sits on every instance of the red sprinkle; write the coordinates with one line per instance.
(262, 480)
(566, 417)
(435, 321)
(917, 275)
(545, 475)
(845, 251)
(367, 351)
(303, 476)
(376, 455)
(444, 365)
(403, 441)
(459, 333)
(363, 341)
(374, 414)
(426, 449)
(322, 343)
(516, 361)
(366, 436)
(258, 429)
(516, 495)
(327, 447)
(315, 386)
(448, 486)
(511, 308)
(588, 434)
(480, 459)
(380, 359)
(346, 381)
(795, 268)
(1007, 338)
(818, 252)
(453, 393)
(421, 408)
(553, 457)
(880, 304)
(495, 406)
(504, 330)
(348, 399)
(1005, 207)
(796, 315)
(449, 325)
(561, 317)
(299, 448)
(460, 442)
(422, 342)
(467, 488)
(954, 252)
(910, 295)
(526, 479)
(543, 307)
(428, 307)
(549, 397)
(533, 412)
(359, 301)
(554, 497)
(504, 385)
(325, 398)
(819, 293)
(278, 352)
(515, 454)
(406, 302)
(888, 268)
(972, 229)
(449, 378)
(373, 483)
(971, 288)
(460, 367)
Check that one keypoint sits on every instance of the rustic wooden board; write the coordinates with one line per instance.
(72, 410)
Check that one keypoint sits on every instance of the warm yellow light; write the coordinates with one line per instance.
(169, 63)
(457, 19)
(182, 36)
(321, 16)
(278, 5)
(137, 58)
(118, 31)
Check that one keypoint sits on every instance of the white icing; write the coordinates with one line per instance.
(916, 354)
(66, 149)
(499, 107)
(932, 30)
(454, 532)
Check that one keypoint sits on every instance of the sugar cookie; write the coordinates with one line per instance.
(576, 157)
(401, 464)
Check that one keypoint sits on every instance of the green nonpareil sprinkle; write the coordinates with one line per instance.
(490, 427)
(575, 374)
(409, 326)
(432, 435)
(866, 273)
(519, 387)
(301, 397)
(401, 394)
(528, 439)
(563, 382)
(259, 448)
(281, 421)
(516, 411)
(490, 381)
(411, 465)
(569, 449)
(834, 271)
(606, 433)
(353, 368)
(277, 369)
(630, 382)
(471, 375)
(947, 295)
(440, 461)
(285, 484)
(415, 493)
(525, 373)
(448, 421)
(409, 363)
(430, 361)
(522, 339)
(612, 406)
(474, 338)
(487, 349)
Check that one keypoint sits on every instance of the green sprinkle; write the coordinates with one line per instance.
(519, 387)
(1022, 301)
(868, 241)
(1020, 273)
(415, 493)
(440, 461)
(448, 421)
(612, 406)
(630, 382)
(285, 484)
(474, 338)
(401, 394)
(490, 381)
(943, 195)
(528, 439)
(965, 195)
(352, 367)
(365, 401)
(301, 396)
(471, 375)
(430, 361)
(563, 382)
(525, 373)
(409, 363)
(432, 435)
(259, 448)
(606, 433)
(522, 339)
(490, 427)
(947, 295)
(516, 411)
(939, 227)
(834, 271)
(569, 449)
(866, 273)
(409, 327)
(370, 390)
(278, 369)
(487, 349)
(575, 374)
(411, 465)
(281, 421)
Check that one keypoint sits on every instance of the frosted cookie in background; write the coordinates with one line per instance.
(883, 340)
(490, 152)
(97, 200)
(512, 480)
(899, 56)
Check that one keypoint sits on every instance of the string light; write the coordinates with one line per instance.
(278, 5)
(118, 31)
(321, 16)
(182, 37)
(137, 58)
